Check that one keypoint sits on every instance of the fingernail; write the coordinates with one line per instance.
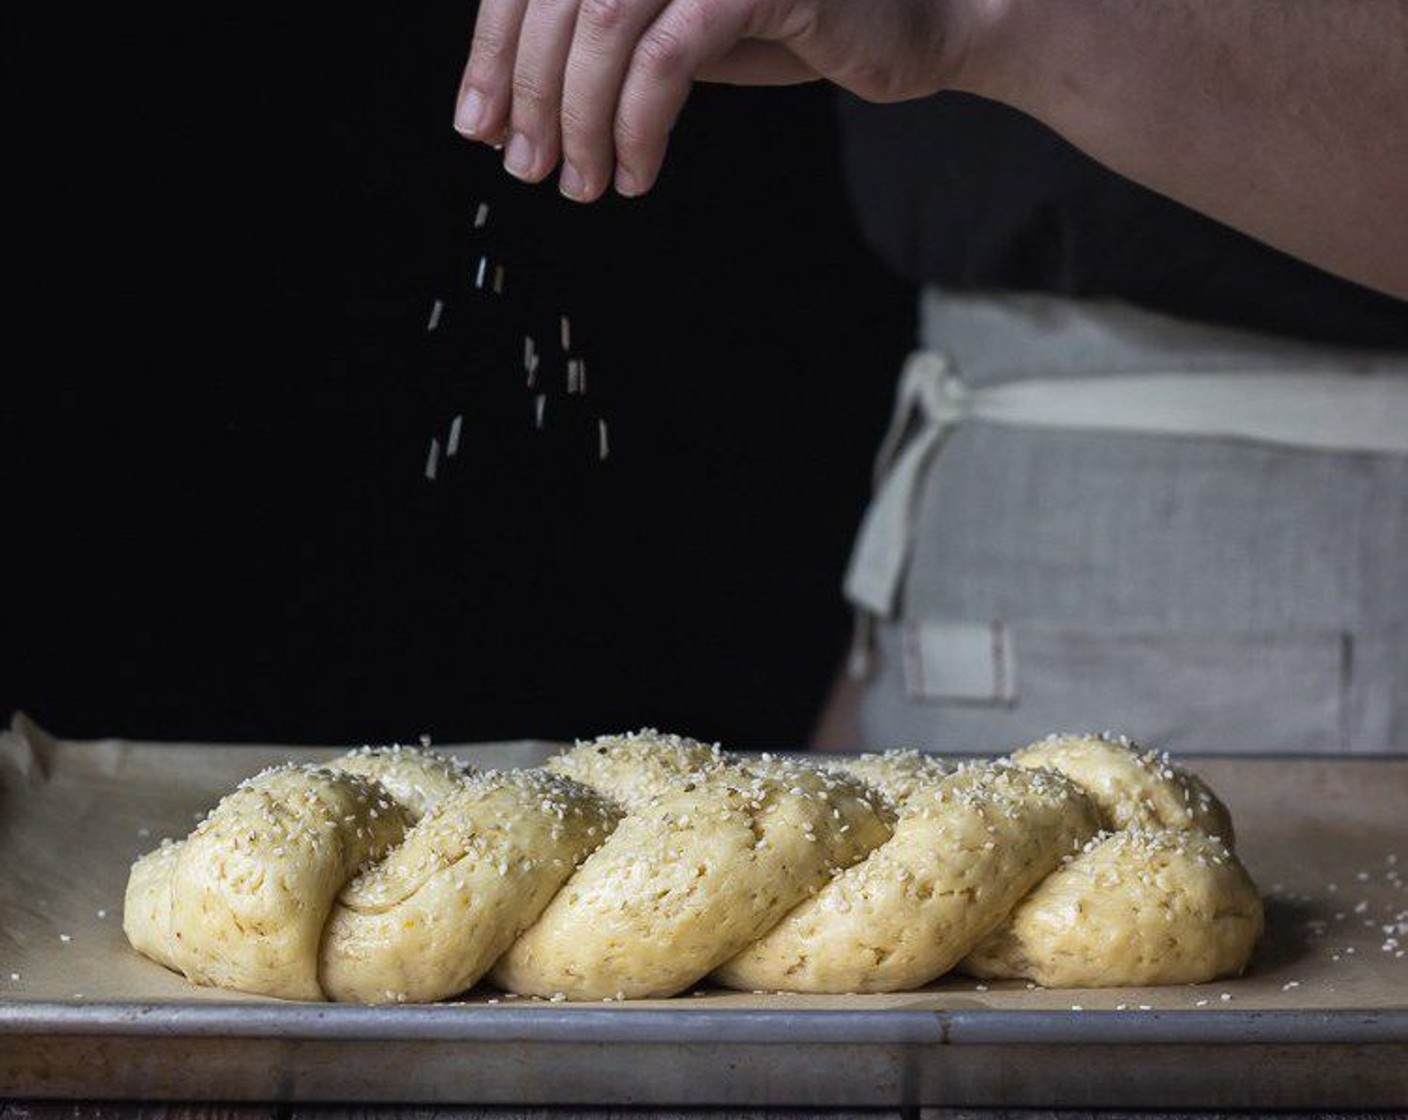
(469, 115)
(626, 183)
(571, 183)
(518, 159)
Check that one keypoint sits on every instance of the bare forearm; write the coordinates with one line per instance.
(1282, 118)
(1287, 120)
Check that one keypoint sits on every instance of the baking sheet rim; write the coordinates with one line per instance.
(750, 1025)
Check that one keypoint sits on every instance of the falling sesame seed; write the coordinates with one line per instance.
(603, 441)
(452, 444)
(540, 404)
(565, 333)
(498, 279)
(436, 309)
(432, 460)
(481, 215)
(479, 276)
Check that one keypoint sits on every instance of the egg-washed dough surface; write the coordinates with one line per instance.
(73, 816)
(687, 881)
(1162, 907)
(357, 881)
(963, 852)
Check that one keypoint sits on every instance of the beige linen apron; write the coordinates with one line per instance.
(1089, 516)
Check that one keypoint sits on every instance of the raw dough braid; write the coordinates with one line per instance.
(636, 866)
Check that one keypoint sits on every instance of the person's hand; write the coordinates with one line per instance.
(598, 84)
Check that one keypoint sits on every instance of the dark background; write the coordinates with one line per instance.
(231, 225)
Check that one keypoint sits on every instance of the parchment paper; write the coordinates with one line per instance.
(1326, 839)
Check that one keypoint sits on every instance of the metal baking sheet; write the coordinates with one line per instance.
(1321, 1019)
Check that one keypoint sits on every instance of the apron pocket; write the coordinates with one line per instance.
(963, 662)
(1187, 690)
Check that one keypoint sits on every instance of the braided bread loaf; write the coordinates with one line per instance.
(636, 866)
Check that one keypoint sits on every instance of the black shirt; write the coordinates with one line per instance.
(965, 193)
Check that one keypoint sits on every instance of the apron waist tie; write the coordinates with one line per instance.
(1328, 412)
